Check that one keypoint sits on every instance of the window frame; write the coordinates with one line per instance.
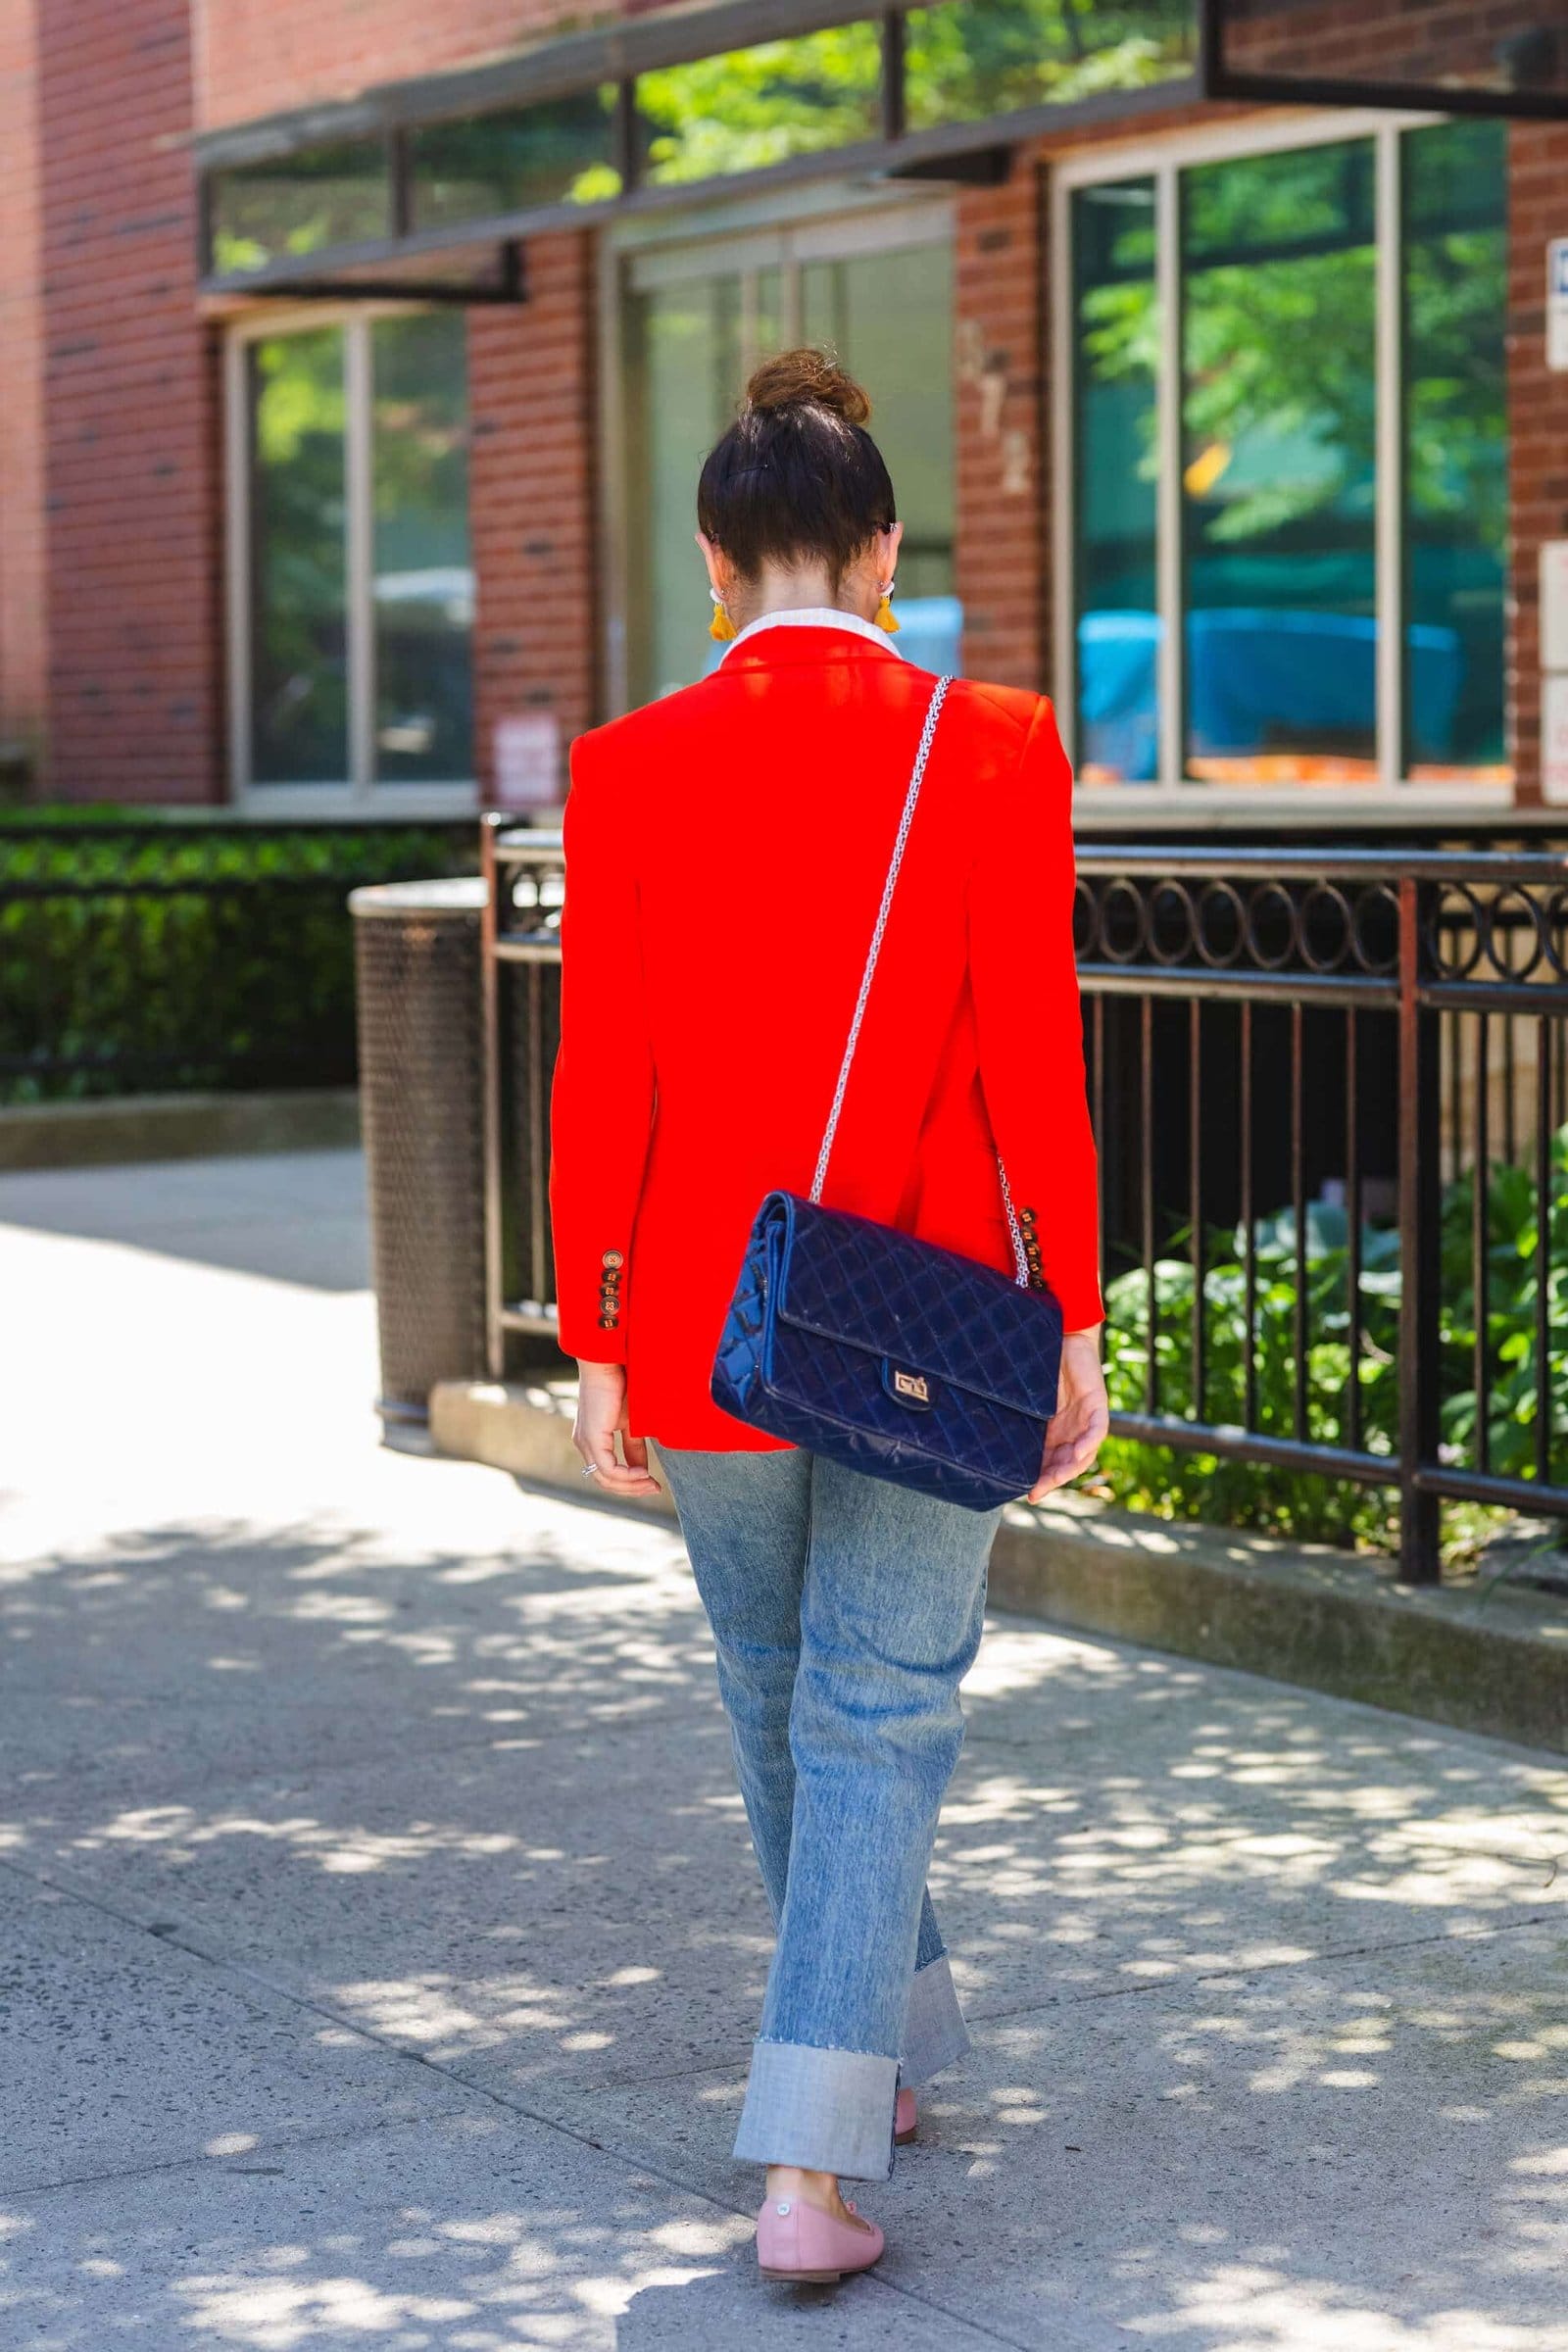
(360, 793)
(1164, 161)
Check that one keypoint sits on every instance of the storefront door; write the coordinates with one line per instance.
(693, 320)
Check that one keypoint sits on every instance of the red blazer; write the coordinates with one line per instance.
(726, 848)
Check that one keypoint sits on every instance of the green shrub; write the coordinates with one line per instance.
(181, 955)
(1193, 1485)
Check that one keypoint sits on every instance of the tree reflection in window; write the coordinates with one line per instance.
(750, 108)
(970, 59)
(559, 152)
(1279, 407)
(1455, 447)
(300, 204)
(298, 492)
(423, 570)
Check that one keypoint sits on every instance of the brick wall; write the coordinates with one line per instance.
(532, 399)
(1000, 453)
(132, 479)
(22, 664)
(263, 57)
(1392, 42)
(1538, 417)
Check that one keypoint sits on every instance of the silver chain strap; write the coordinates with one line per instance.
(917, 777)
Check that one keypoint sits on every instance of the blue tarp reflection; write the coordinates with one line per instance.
(1256, 681)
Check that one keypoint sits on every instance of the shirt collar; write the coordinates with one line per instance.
(813, 616)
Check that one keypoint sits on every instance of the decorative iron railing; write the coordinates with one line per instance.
(1332, 1104)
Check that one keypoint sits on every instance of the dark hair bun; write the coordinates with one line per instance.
(797, 478)
(808, 378)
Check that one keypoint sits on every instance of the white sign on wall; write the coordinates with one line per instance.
(527, 764)
(1558, 303)
(1554, 604)
(1554, 739)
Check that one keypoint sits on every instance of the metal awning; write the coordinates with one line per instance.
(596, 87)
(427, 187)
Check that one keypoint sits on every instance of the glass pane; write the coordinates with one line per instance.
(422, 571)
(889, 316)
(1279, 406)
(1115, 455)
(560, 153)
(970, 59)
(1456, 447)
(299, 675)
(300, 203)
(755, 107)
(686, 372)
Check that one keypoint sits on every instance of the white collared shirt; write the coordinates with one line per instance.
(812, 616)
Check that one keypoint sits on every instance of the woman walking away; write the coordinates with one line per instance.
(727, 861)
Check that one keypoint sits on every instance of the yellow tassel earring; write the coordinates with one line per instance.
(721, 628)
(884, 612)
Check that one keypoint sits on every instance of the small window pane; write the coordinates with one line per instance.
(755, 107)
(1457, 448)
(1278, 412)
(299, 677)
(561, 152)
(423, 573)
(970, 59)
(1117, 354)
(299, 204)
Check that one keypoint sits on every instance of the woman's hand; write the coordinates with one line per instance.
(1077, 1429)
(600, 1418)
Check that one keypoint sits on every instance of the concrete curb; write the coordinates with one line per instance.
(135, 1127)
(1482, 1661)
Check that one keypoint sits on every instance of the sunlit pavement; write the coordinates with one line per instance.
(382, 1944)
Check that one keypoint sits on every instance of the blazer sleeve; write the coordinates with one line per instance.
(602, 1097)
(1030, 1026)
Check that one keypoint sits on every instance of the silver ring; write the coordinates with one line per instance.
(592, 1470)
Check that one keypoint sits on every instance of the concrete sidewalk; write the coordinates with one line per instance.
(382, 1942)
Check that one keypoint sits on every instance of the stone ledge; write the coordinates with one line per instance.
(136, 1127)
(1494, 1662)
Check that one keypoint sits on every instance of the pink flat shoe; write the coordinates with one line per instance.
(801, 2242)
(906, 2122)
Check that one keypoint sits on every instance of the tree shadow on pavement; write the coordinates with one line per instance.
(391, 1938)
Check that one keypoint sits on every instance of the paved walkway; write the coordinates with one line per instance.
(381, 1944)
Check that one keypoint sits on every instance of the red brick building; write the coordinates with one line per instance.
(359, 362)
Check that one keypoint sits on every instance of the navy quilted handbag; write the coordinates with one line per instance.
(881, 1352)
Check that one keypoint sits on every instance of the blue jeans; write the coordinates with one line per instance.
(846, 1612)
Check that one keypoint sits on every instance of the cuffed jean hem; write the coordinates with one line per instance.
(827, 2111)
(934, 2031)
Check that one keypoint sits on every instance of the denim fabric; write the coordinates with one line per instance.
(845, 1612)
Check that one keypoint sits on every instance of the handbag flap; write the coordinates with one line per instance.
(871, 1286)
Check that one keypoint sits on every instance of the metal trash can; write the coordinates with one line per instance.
(417, 965)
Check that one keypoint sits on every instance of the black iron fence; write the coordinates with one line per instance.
(179, 955)
(1332, 1104)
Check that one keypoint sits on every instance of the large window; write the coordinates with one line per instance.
(1287, 463)
(694, 321)
(353, 585)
